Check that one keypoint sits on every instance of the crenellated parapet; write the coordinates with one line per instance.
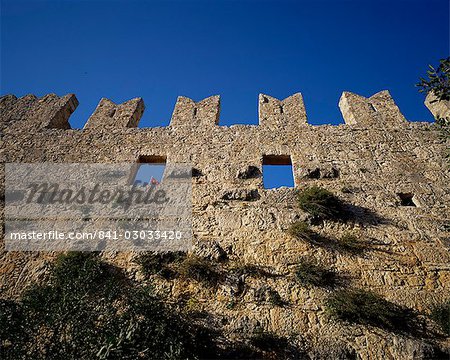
(53, 112)
(202, 113)
(49, 111)
(378, 110)
(110, 115)
(275, 113)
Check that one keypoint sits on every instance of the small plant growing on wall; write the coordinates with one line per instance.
(159, 263)
(252, 270)
(351, 243)
(321, 204)
(310, 274)
(301, 230)
(367, 308)
(199, 269)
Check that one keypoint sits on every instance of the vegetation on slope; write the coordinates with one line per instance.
(89, 310)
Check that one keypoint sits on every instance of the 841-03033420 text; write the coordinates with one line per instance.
(98, 235)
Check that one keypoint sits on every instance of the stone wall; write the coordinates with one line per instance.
(368, 161)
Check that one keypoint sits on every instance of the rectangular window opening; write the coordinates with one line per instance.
(277, 171)
(149, 170)
(152, 159)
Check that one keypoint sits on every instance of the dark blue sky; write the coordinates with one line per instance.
(159, 50)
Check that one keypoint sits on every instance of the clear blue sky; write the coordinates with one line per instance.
(147, 171)
(161, 49)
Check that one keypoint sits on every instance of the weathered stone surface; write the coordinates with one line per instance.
(250, 172)
(439, 109)
(325, 171)
(241, 194)
(367, 162)
(191, 113)
(210, 250)
(108, 115)
(274, 113)
(378, 110)
(49, 111)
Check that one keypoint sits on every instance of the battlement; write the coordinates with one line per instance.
(49, 111)
(379, 109)
(110, 115)
(53, 112)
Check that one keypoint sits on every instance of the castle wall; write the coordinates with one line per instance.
(367, 162)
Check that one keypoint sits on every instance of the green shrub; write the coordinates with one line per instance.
(238, 351)
(89, 310)
(321, 203)
(159, 263)
(301, 230)
(199, 269)
(366, 308)
(441, 315)
(351, 243)
(13, 334)
(438, 82)
(78, 269)
(309, 273)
